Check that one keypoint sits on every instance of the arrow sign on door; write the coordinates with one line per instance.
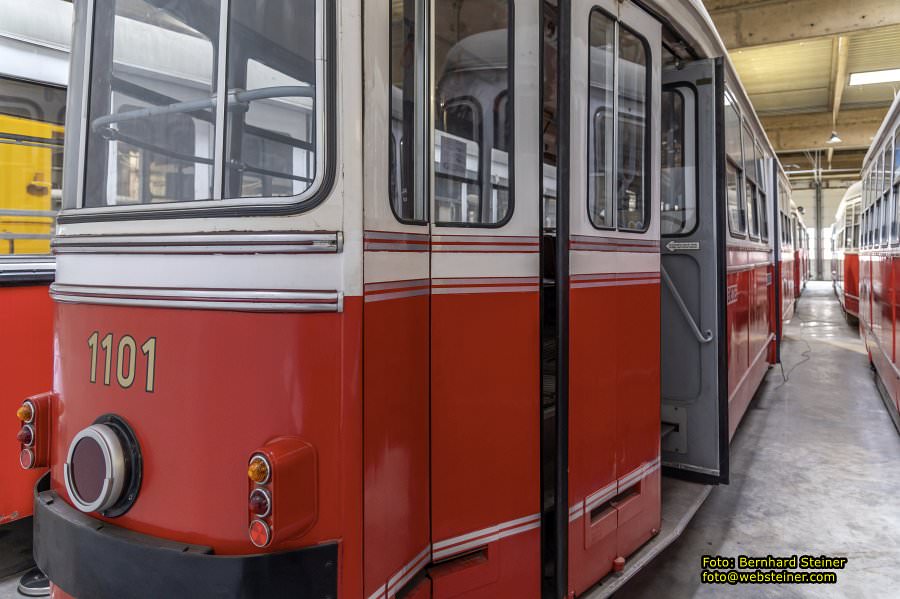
(676, 246)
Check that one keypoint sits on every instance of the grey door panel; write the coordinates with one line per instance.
(691, 344)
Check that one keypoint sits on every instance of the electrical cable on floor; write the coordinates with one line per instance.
(807, 356)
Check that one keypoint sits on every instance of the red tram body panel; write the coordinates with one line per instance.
(26, 367)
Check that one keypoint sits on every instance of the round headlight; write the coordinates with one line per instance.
(95, 470)
(104, 468)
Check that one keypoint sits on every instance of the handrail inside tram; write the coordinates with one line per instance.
(702, 337)
(235, 98)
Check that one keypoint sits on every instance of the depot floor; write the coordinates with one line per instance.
(815, 470)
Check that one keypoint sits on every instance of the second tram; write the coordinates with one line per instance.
(34, 67)
(878, 257)
(845, 251)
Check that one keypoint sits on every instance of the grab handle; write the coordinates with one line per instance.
(703, 338)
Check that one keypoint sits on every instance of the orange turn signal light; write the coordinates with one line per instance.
(258, 471)
(25, 413)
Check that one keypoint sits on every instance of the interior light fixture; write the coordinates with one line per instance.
(872, 77)
(834, 139)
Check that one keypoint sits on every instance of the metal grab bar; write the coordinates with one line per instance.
(703, 338)
(235, 98)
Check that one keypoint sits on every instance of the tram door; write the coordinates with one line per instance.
(452, 303)
(613, 300)
(694, 370)
(484, 158)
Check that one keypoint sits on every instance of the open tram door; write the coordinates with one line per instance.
(694, 296)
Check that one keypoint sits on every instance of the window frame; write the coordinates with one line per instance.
(485, 158)
(647, 175)
(741, 234)
(676, 88)
(326, 133)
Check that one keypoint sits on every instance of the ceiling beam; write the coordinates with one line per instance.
(746, 23)
(839, 75)
(810, 131)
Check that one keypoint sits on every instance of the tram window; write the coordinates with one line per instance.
(752, 209)
(457, 179)
(763, 216)
(896, 155)
(679, 207)
(601, 106)
(272, 134)
(733, 134)
(633, 133)
(737, 212)
(737, 209)
(31, 143)
(155, 99)
(473, 113)
(408, 200)
(148, 64)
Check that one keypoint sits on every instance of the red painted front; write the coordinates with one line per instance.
(226, 383)
(26, 368)
(614, 395)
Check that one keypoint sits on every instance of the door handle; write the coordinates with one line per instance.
(702, 337)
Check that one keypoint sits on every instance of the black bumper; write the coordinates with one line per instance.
(90, 559)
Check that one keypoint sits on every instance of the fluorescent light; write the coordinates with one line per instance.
(870, 77)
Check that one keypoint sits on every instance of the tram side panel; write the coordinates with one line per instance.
(614, 291)
(26, 367)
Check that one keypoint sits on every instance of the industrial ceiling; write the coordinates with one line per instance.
(796, 58)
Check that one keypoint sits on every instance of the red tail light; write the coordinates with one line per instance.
(25, 436)
(260, 504)
(260, 534)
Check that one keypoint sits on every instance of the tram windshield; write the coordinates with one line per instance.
(171, 119)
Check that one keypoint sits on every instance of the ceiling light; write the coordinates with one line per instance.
(871, 77)
(834, 139)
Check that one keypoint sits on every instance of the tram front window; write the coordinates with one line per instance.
(170, 119)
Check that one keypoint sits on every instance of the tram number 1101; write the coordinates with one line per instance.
(126, 359)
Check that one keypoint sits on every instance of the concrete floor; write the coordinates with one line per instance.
(8, 588)
(815, 470)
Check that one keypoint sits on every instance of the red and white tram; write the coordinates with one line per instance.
(845, 251)
(879, 262)
(34, 67)
(801, 252)
(394, 310)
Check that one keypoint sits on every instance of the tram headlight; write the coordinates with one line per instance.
(103, 468)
